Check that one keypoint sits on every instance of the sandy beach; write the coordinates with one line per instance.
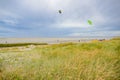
(46, 40)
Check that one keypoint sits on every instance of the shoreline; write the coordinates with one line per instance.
(47, 40)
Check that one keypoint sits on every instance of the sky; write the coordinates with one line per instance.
(40, 18)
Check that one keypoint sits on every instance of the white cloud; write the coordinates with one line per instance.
(37, 5)
(44, 13)
(75, 12)
(4, 13)
(3, 28)
(72, 24)
(8, 17)
(10, 22)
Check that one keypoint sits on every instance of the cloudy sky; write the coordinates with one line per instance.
(40, 18)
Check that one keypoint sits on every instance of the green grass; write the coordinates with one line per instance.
(116, 38)
(69, 61)
(20, 44)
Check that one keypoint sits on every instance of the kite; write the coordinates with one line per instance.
(89, 22)
(60, 11)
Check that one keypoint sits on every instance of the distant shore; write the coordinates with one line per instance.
(49, 40)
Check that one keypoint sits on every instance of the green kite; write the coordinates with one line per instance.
(89, 22)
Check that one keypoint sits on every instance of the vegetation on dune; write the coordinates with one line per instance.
(116, 38)
(20, 44)
(69, 61)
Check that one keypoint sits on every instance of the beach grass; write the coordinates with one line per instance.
(67, 61)
(20, 44)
